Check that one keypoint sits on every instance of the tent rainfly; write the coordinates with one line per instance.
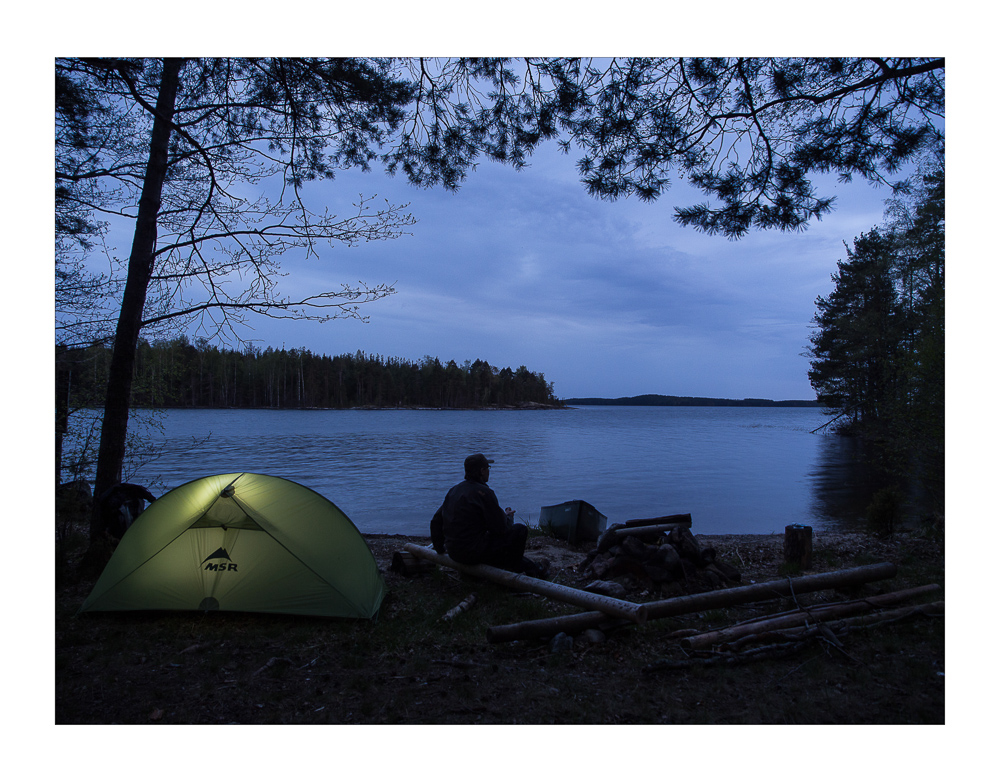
(242, 542)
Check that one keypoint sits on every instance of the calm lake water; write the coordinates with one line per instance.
(735, 470)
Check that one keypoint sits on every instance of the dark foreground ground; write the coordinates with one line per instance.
(413, 667)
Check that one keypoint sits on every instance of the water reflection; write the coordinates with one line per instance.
(736, 470)
(846, 477)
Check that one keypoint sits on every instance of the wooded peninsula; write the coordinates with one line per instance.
(181, 374)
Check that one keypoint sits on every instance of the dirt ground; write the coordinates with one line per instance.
(411, 666)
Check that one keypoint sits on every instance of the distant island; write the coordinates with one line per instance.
(674, 400)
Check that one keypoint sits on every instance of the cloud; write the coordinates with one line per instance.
(604, 298)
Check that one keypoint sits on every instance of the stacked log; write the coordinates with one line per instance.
(409, 564)
(680, 520)
(658, 555)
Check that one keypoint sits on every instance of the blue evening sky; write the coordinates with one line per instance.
(606, 298)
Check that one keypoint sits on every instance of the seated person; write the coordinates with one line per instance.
(471, 527)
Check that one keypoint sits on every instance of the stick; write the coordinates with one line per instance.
(844, 413)
(634, 612)
(465, 605)
(271, 663)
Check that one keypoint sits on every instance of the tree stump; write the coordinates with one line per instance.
(799, 545)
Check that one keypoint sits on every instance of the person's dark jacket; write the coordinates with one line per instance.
(470, 518)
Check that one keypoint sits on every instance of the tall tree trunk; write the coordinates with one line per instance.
(62, 405)
(140, 268)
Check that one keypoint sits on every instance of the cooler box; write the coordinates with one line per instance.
(575, 520)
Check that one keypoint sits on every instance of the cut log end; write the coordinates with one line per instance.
(798, 546)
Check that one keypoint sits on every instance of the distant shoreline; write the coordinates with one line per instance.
(676, 400)
(525, 406)
(563, 404)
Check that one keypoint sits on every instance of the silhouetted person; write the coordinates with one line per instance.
(471, 527)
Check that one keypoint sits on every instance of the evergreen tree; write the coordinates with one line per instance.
(919, 424)
(177, 374)
(878, 352)
(855, 346)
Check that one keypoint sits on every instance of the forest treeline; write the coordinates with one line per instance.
(181, 374)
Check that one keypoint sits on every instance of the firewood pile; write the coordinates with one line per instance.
(656, 554)
(778, 635)
(770, 635)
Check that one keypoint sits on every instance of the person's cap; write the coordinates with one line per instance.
(476, 461)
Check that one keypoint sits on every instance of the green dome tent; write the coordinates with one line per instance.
(242, 542)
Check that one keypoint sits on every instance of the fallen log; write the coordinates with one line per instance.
(824, 613)
(683, 520)
(648, 530)
(688, 604)
(840, 626)
(935, 609)
(633, 612)
(796, 639)
(886, 599)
